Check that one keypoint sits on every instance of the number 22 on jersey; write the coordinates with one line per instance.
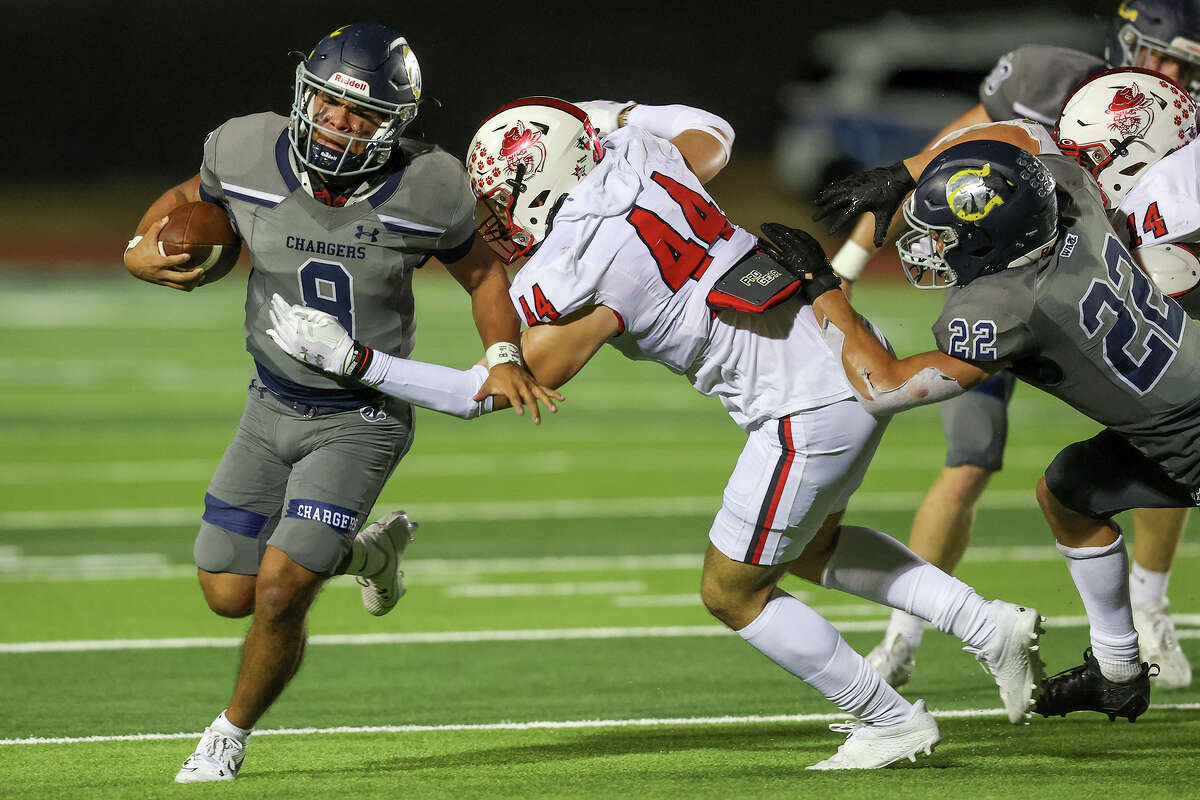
(680, 258)
(1146, 327)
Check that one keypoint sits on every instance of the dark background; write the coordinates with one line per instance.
(114, 90)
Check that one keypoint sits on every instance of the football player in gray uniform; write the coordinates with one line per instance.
(1043, 285)
(336, 209)
(1032, 82)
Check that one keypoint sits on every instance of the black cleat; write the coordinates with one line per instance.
(1084, 688)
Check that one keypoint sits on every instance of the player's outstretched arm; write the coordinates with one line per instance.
(556, 352)
(883, 384)
(484, 278)
(142, 256)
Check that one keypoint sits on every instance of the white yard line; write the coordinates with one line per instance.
(752, 719)
(529, 635)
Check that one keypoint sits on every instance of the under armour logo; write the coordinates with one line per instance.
(362, 231)
(309, 357)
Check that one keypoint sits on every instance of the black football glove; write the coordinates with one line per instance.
(800, 254)
(878, 191)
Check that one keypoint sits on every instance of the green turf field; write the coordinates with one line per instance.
(552, 643)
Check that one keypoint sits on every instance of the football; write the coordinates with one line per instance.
(204, 231)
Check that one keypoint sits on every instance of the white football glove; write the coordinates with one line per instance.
(311, 336)
(603, 114)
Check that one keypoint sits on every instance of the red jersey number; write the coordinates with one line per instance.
(680, 258)
(1153, 223)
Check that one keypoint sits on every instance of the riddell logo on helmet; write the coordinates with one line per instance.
(342, 79)
(1131, 112)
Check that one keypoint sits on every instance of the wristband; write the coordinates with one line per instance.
(850, 260)
(357, 361)
(133, 242)
(503, 353)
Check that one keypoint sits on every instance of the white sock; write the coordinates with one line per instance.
(874, 566)
(222, 725)
(804, 643)
(1147, 588)
(906, 626)
(1100, 576)
(365, 560)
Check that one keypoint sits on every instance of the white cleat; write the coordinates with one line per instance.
(217, 758)
(1011, 656)
(894, 659)
(875, 746)
(1159, 645)
(391, 534)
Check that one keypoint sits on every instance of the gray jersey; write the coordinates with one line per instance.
(354, 261)
(1033, 81)
(1092, 330)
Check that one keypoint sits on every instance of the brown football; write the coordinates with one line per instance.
(204, 231)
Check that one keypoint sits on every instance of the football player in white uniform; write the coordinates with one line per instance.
(639, 256)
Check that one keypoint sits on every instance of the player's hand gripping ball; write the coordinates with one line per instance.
(204, 231)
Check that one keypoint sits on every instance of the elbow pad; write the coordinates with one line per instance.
(443, 389)
(668, 122)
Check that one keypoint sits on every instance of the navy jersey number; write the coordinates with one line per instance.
(975, 342)
(1147, 327)
(327, 286)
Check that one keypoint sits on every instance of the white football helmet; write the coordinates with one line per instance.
(522, 162)
(1175, 270)
(1118, 122)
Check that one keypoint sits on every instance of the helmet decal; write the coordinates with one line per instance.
(969, 195)
(523, 146)
(1124, 12)
(411, 67)
(1131, 112)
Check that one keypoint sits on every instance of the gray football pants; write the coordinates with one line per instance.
(303, 485)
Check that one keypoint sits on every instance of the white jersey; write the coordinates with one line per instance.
(640, 236)
(1164, 205)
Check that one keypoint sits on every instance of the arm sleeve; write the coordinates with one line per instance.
(443, 389)
(667, 122)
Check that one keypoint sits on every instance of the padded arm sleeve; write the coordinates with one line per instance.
(429, 385)
(667, 122)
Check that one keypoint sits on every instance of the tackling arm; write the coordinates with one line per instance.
(884, 384)
(555, 353)
(484, 278)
